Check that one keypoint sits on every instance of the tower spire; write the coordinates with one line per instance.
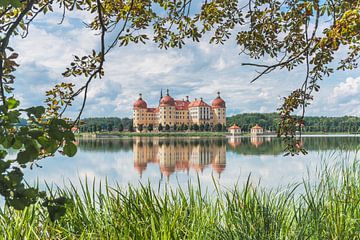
(161, 95)
(167, 92)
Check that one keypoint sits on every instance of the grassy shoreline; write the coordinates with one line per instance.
(326, 208)
(156, 134)
(192, 134)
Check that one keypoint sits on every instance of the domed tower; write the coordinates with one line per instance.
(139, 114)
(167, 110)
(219, 110)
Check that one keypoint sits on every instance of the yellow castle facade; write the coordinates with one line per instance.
(179, 112)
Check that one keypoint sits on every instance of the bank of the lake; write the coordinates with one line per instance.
(153, 134)
(322, 208)
(198, 134)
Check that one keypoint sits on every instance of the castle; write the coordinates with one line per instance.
(171, 113)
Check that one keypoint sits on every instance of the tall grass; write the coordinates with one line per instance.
(327, 208)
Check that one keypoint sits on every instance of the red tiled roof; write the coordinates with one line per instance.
(153, 110)
(218, 103)
(167, 101)
(140, 103)
(234, 127)
(181, 104)
(256, 127)
(198, 103)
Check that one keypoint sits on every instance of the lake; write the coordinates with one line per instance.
(176, 161)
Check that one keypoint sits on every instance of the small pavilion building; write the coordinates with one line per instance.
(234, 129)
(257, 130)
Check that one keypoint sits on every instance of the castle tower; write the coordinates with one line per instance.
(167, 110)
(139, 114)
(219, 110)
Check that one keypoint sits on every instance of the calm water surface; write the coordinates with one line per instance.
(175, 161)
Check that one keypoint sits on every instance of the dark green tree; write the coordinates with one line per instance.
(150, 128)
(140, 127)
(160, 127)
(131, 128)
(207, 127)
(218, 127)
(167, 127)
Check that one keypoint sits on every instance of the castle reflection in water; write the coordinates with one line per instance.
(182, 155)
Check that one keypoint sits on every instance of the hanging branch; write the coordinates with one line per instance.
(5, 43)
(101, 62)
(281, 64)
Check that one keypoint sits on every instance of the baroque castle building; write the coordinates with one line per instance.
(179, 112)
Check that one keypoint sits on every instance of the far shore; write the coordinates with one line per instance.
(203, 134)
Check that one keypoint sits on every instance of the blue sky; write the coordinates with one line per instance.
(197, 70)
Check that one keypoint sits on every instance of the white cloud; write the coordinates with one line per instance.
(54, 50)
(349, 88)
(220, 64)
(198, 70)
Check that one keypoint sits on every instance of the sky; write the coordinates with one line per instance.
(197, 70)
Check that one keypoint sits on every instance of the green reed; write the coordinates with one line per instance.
(323, 208)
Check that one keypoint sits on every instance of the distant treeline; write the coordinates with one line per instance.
(270, 121)
(106, 124)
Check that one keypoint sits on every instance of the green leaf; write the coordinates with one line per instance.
(4, 3)
(15, 3)
(2, 154)
(4, 166)
(70, 149)
(29, 155)
(55, 133)
(8, 141)
(35, 133)
(17, 203)
(12, 103)
(14, 116)
(50, 145)
(36, 111)
(56, 212)
(60, 122)
(69, 136)
(17, 144)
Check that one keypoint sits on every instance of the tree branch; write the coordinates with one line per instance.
(102, 60)
(5, 43)
(281, 64)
